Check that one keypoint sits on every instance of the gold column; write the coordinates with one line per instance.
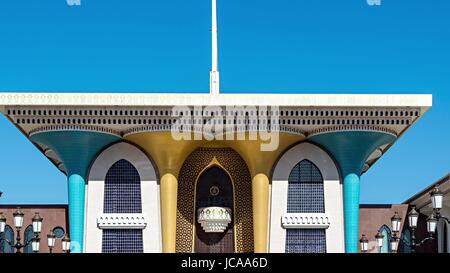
(260, 192)
(169, 188)
(168, 155)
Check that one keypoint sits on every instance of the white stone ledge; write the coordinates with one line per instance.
(305, 220)
(121, 221)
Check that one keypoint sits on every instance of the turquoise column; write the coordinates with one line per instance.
(76, 190)
(351, 149)
(76, 150)
(351, 210)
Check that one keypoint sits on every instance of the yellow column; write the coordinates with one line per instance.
(168, 188)
(260, 192)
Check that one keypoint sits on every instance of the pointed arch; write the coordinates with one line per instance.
(305, 189)
(122, 189)
(386, 232)
(28, 234)
(8, 235)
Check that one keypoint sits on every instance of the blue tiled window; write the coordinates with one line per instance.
(305, 190)
(122, 189)
(122, 195)
(305, 195)
(305, 241)
(122, 241)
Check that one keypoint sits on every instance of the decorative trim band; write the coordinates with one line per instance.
(88, 128)
(305, 220)
(368, 128)
(199, 129)
(121, 221)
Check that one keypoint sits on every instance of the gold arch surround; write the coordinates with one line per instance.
(200, 160)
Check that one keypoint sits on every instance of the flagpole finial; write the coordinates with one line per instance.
(214, 73)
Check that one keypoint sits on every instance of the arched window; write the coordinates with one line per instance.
(386, 232)
(9, 235)
(122, 189)
(28, 235)
(305, 195)
(305, 189)
(122, 195)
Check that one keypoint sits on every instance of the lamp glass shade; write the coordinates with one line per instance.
(436, 198)
(65, 244)
(379, 237)
(51, 239)
(18, 218)
(413, 217)
(431, 224)
(2, 223)
(35, 244)
(37, 223)
(364, 242)
(396, 222)
(394, 244)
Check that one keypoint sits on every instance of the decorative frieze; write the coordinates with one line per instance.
(121, 221)
(305, 220)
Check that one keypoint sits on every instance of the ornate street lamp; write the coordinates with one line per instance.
(432, 224)
(18, 216)
(51, 240)
(66, 244)
(436, 198)
(413, 217)
(37, 223)
(35, 243)
(364, 244)
(379, 238)
(396, 222)
(394, 243)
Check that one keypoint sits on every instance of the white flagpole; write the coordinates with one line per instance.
(214, 73)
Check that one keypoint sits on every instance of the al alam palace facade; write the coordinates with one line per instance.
(284, 176)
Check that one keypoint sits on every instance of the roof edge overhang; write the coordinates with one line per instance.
(172, 99)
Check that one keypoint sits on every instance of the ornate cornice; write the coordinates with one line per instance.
(350, 128)
(88, 128)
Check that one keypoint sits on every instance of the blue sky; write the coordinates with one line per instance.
(283, 46)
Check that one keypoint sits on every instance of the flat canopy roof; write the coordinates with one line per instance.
(172, 99)
(393, 113)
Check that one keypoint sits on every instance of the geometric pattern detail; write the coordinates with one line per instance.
(305, 241)
(305, 220)
(122, 189)
(240, 175)
(305, 189)
(121, 220)
(122, 241)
